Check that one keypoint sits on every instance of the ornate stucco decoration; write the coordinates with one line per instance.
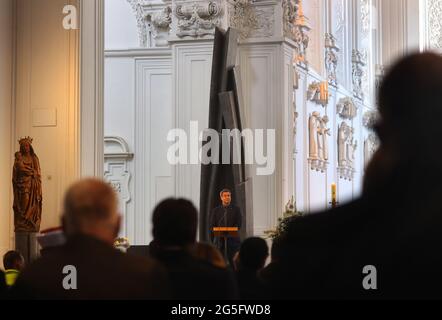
(318, 142)
(371, 144)
(365, 14)
(434, 27)
(358, 71)
(369, 119)
(331, 59)
(154, 20)
(346, 151)
(251, 20)
(290, 10)
(347, 109)
(301, 35)
(116, 169)
(197, 19)
(318, 93)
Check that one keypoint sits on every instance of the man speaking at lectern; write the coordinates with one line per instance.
(226, 215)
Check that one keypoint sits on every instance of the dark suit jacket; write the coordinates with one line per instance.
(225, 217)
(251, 287)
(194, 279)
(102, 273)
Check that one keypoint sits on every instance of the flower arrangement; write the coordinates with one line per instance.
(291, 213)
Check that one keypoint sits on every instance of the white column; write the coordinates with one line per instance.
(91, 140)
(266, 60)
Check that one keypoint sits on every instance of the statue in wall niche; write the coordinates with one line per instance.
(313, 129)
(318, 134)
(26, 182)
(352, 145)
(323, 134)
(346, 151)
(371, 144)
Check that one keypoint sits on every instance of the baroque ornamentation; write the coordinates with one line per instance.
(365, 17)
(153, 22)
(318, 142)
(116, 173)
(371, 144)
(251, 21)
(318, 93)
(301, 35)
(369, 119)
(346, 151)
(346, 108)
(435, 24)
(290, 10)
(197, 19)
(331, 59)
(358, 72)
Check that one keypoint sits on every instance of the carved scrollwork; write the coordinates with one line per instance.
(153, 22)
(197, 19)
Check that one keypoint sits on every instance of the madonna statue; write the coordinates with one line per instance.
(26, 182)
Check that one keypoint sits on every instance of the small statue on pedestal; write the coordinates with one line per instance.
(26, 182)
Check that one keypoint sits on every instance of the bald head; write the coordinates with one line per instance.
(90, 208)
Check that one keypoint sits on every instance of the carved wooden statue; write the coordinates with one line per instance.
(26, 182)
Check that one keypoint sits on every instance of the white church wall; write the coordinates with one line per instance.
(155, 177)
(120, 25)
(264, 107)
(342, 19)
(6, 125)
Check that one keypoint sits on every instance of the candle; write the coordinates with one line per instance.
(334, 193)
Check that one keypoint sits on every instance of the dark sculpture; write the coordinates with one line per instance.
(226, 112)
(26, 182)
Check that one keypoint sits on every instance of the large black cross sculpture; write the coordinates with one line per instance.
(225, 112)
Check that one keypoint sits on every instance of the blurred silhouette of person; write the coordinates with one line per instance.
(208, 253)
(251, 259)
(91, 223)
(3, 286)
(174, 233)
(14, 263)
(387, 244)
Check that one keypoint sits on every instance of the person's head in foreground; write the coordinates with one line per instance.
(175, 223)
(208, 253)
(253, 254)
(409, 129)
(13, 263)
(90, 208)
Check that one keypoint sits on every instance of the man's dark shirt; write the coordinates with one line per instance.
(229, 216)
(250, 285)
(102, 273)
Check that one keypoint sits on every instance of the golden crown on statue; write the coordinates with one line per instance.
(25, 139)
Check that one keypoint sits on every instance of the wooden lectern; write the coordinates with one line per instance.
(224, 233)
